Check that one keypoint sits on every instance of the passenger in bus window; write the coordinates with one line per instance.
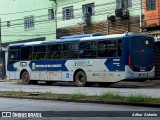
(81, 53)
(12, 56)
(30, 56)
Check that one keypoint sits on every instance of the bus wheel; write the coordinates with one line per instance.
(25, 78)
(49, 82)
(80, 79)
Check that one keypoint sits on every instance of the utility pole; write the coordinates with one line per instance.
(140, 17)
(55, 10)
(1, 53)
(0, 38)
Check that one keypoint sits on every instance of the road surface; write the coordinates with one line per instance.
(94, 90)
(26, 105)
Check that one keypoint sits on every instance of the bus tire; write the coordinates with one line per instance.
(80, 79)
(49, 82)
(25, 78)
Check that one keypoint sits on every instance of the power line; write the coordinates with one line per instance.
(107, 3)
(30, 34)
(57, 18)
(97, 5)
(44, 21)
(27, 11)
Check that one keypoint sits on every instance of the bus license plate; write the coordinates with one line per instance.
(142, 75)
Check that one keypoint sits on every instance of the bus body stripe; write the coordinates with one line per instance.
(116, 65)
(48, 65)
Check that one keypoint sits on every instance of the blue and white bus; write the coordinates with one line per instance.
(87, 58)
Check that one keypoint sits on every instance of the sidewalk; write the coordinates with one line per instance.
(149, 88)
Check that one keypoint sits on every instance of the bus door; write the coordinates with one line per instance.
(2, 65)
(1, 68)
(141, 56)
(14, 56)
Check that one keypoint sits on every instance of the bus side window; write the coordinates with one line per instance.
(102, 49)
(54, 51)
(88, 49)
(30, 56)
(107, 48)
(39, 52)
(13, 55)
(26, 53)
(35, 56)
(54, 55)
(70, 50)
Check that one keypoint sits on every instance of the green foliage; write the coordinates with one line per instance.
(11, 93)
(142, 99)
(16, 93)
(47, 94)
(110, 97)
(138, 98)
(77, 96)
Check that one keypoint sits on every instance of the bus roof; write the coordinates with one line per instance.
(16, 44)
(74, 38)
(62, 39)
(130, 34)
(25, 44)
(103, 37)
(81, 36)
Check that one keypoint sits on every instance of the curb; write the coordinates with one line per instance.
(156, 105)
(8, 80)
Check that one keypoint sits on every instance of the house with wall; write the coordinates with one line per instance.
(152, 17)
(24, 21)
(152, 27)
(97, 16)
(42, 19)
(27, 20)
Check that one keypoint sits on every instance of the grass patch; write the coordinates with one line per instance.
(77, 96)
(111, 97)
(11, 93)
(139, 98)
(142, 99)
(107, 97)
(47, 94)
(133, 98)
(15, 93)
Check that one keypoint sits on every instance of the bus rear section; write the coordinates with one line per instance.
(140, 57)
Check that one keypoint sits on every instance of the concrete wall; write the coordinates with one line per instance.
(103, 8)
(99, 22)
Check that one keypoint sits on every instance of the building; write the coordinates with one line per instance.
(152, 17)
(152, 27)
(27, 20)
(97, 16)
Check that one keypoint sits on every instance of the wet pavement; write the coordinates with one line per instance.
(146, 88)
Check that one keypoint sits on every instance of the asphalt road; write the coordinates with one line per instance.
(123, 89)
(40, 106)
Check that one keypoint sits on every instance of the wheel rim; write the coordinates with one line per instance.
(25, 77)
(81, 79)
